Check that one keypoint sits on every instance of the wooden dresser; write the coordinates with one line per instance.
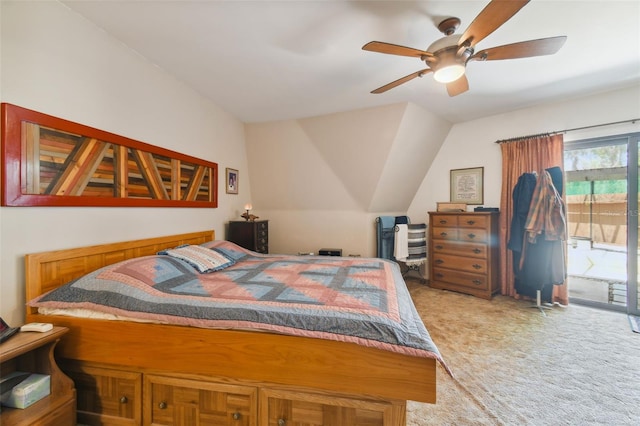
(252, 235)
(464, 252)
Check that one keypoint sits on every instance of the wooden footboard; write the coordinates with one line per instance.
(154, 356)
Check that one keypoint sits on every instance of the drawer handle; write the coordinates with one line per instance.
(236, 416)
(162, 405)
(476, 266)
(443, 234)
(282, 422)
(471, 222)
(123, 399)
(443, 222)
(439, 261)
(472, 236)
(439, 275)
(476, 250)
(439, 247)
(477, 282)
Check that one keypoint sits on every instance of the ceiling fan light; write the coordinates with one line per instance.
(448, 73)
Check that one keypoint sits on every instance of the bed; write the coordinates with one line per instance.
(231, 371)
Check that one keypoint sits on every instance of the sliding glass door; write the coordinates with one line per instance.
(602, 204)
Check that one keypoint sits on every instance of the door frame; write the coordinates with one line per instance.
(632, 142)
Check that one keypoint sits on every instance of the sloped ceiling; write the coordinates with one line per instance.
(273, 60)
(370, 160)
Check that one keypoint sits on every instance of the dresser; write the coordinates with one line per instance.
(250, 235)
(464, 252)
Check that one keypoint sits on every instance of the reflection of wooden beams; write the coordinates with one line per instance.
(150, 174)
(176, 191)
(120, 159)
(79, 168)
(193, 187)
(31, 158)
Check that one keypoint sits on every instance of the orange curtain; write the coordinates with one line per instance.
(520, 156)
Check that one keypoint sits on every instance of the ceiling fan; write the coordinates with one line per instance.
(448, 57)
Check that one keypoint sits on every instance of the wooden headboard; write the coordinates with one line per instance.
(49, 270)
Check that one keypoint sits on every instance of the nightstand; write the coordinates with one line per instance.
(33, 352)
(252, 235)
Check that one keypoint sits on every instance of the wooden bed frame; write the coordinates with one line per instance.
(264, 360)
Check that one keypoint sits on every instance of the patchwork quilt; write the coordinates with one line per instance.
(359, 300)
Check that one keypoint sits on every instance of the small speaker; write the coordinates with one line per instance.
(330, 252)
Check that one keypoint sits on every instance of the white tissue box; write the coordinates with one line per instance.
(27, 392)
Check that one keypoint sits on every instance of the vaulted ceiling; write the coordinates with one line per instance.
(268, 60)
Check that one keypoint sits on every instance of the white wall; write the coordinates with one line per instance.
(322, 181)
(476, 140)
(54, 61)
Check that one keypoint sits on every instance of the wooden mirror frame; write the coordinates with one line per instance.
(164, 178)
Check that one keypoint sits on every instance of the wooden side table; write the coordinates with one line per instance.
(33, 352)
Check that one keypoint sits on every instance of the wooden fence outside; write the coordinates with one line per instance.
(601, 218)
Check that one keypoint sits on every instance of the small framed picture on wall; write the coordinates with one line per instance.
(232, 181)
(467, 185)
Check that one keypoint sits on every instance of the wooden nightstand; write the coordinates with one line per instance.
(252, 235)
(33, 352)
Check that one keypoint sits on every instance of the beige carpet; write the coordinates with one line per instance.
(514, 366)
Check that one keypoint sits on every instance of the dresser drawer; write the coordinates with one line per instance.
(467, 280)
(443, 220)
(460, 248)
(443, 233)
(473, 235)
(184, 402)
(473, 221)
(283, 407)
(469, 264)
(106, 396)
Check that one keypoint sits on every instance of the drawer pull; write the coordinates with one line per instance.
(476, 266)
(477, 250)
(439, 275)
(477, 282)
(439, 247)
(162, 405)
(282, 422)
(443, 222)
(123, 399)
(236, 416)
(443, 234)
(472, 236)
(471, 222)
(439, 261)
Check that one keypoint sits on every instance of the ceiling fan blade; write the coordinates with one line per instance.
(400, 81)
(394, 49)
(458, 86)
(496, 13)
(523, 49)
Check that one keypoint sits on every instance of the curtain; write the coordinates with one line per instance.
(525, 155)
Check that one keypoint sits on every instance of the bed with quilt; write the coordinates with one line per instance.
(187, 329)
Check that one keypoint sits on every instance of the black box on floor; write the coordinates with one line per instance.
(330, 252)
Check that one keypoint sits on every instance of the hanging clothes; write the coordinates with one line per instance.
(542, 257)
(522, 194)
